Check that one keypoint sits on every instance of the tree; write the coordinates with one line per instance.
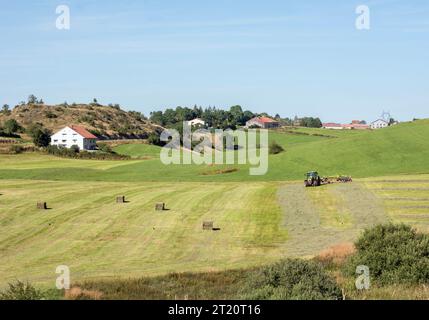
(11, 127)
(5, 109)
(40, 135)
(32, 99)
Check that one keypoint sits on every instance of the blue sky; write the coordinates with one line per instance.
(289, 57)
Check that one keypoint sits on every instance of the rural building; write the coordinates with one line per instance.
(356, 126)
(197, 122)
(332, 126)
(74, 136)
(379, 124)
(262, 122)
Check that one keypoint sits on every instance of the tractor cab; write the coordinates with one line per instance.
(312, 179)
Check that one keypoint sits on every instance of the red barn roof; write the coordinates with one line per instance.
(332, 124)
(83, 132)
(264, 120)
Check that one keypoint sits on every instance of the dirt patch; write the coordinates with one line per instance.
(220, 171)
(77, 293)
(336, 255)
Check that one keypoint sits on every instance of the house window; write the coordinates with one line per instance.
(55, 140)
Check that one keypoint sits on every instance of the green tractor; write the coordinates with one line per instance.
(313, 179)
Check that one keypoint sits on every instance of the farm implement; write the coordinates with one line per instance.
(313, 179)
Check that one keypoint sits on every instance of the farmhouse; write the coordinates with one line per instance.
(379, 124)
(355, 125)
(262, 122)
(74, 136)
(332, 126)
(197, 122)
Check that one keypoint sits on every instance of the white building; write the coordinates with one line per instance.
(379, 124)
(262, 122)
(74, 136)
(333, 126)
(196, 122)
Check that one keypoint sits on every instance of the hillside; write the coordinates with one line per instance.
(107, 122)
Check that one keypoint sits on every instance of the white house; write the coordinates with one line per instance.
(378, 124)
(74, 136)
(196, 122)
(333, 126)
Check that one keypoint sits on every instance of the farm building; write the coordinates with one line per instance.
(355, 125)
(262, 122)
(197, 122)
(332, 126)
(74, 136)
(379, 124)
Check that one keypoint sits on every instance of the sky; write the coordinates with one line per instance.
(287, 57)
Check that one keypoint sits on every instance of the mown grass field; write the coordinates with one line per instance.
(86, 230)
(261, 219)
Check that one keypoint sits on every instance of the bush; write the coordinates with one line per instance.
(74, 149)
(70, 153)
(275, 148)
(395, 254)
(21, 291)
(41, 136)
(155, 139)
(292, 280)
(16, 149)
(105, 148)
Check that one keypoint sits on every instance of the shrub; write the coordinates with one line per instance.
(105, 148)
(16, 149)
(292, 280)
(74, 149)
(21, 291)
(395, 254)
(41, 136)
(275, 148)
(11, 127)
(155, 139)
(69, 153)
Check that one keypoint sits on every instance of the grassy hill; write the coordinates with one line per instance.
(402, 149)
(105, 121)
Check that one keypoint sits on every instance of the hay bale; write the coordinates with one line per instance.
(160, 207)
(120, 199)
(208, 225)
(42, 205)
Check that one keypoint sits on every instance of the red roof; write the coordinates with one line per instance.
(264, 120)
(83, 132)
(331, 124)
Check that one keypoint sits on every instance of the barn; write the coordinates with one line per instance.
(262, 122)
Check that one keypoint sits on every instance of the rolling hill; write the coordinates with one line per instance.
(104, 121)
